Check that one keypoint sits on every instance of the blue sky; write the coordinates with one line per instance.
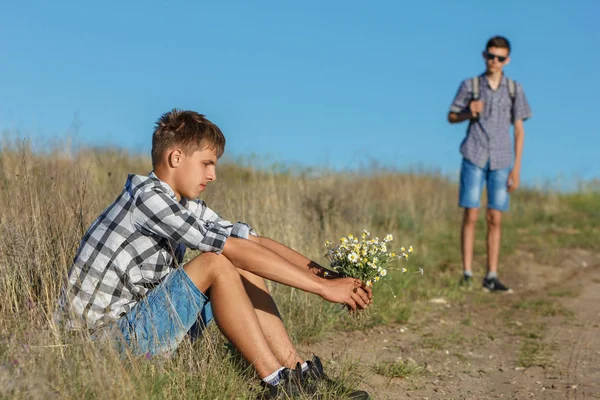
(314, 83)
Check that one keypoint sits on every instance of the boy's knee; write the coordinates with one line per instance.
(494, 218)
(470, 216)
(206, 268)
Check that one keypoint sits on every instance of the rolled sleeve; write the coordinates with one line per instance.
(462, 98)
(242, 230)
(202, 211)
(158, 214)
(214, 239)
(521, 109)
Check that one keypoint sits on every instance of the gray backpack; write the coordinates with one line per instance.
(512, 88)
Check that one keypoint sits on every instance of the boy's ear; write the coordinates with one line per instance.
(174, 158)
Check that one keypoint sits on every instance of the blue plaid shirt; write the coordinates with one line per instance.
(488, 139)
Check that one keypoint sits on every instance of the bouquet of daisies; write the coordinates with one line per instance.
(366, 259)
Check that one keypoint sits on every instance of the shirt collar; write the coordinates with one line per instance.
(163, 184)
(503, 81)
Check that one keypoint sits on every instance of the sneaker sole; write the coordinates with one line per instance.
(509, 291)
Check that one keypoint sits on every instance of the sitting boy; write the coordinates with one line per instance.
(127, 271)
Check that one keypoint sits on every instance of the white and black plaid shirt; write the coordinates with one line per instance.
(133, 245)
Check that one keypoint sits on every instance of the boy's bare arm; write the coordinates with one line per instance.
(264, 262)
(514, 178)
(293, 256)
(475, 108)
(454, 118)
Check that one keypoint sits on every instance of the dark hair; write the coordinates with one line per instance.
(498, 41)
(188, 129)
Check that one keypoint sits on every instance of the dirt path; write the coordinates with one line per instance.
(541, 342)
(579, 343)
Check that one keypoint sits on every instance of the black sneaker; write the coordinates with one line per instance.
(466, 282)
(494, 285)
(291, 386)
(315, 373)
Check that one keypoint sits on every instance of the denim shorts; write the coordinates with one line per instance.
(472, 179)
(161, 320)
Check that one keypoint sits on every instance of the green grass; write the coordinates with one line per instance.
(562, 293)
(440, 342)
(542, 307)
(398, 369)
(533, 353)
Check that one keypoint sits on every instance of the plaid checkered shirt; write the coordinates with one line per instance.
(133, 245)
(488, 139)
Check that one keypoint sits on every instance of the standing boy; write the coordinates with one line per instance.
(128, 270)
(490, 102)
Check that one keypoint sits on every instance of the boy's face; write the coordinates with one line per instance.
(495, 59)
(193, 172)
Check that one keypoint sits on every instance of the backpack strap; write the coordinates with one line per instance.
(475, 88)
(512, 89)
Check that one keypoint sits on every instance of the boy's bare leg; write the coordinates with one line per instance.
(232, 309)
(468, 237)
(494, 220)
(270, 320)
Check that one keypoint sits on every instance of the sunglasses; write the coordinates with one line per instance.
(491, 57)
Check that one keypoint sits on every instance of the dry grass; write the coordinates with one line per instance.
(50, 198)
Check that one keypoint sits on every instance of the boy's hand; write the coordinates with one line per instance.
(476, 108)
(513, 181)
(348, 291)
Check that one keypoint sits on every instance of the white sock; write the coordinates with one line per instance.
(491, 275)
(274, 378)
(304, 367)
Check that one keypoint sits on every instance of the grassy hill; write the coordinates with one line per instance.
(48, 201)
